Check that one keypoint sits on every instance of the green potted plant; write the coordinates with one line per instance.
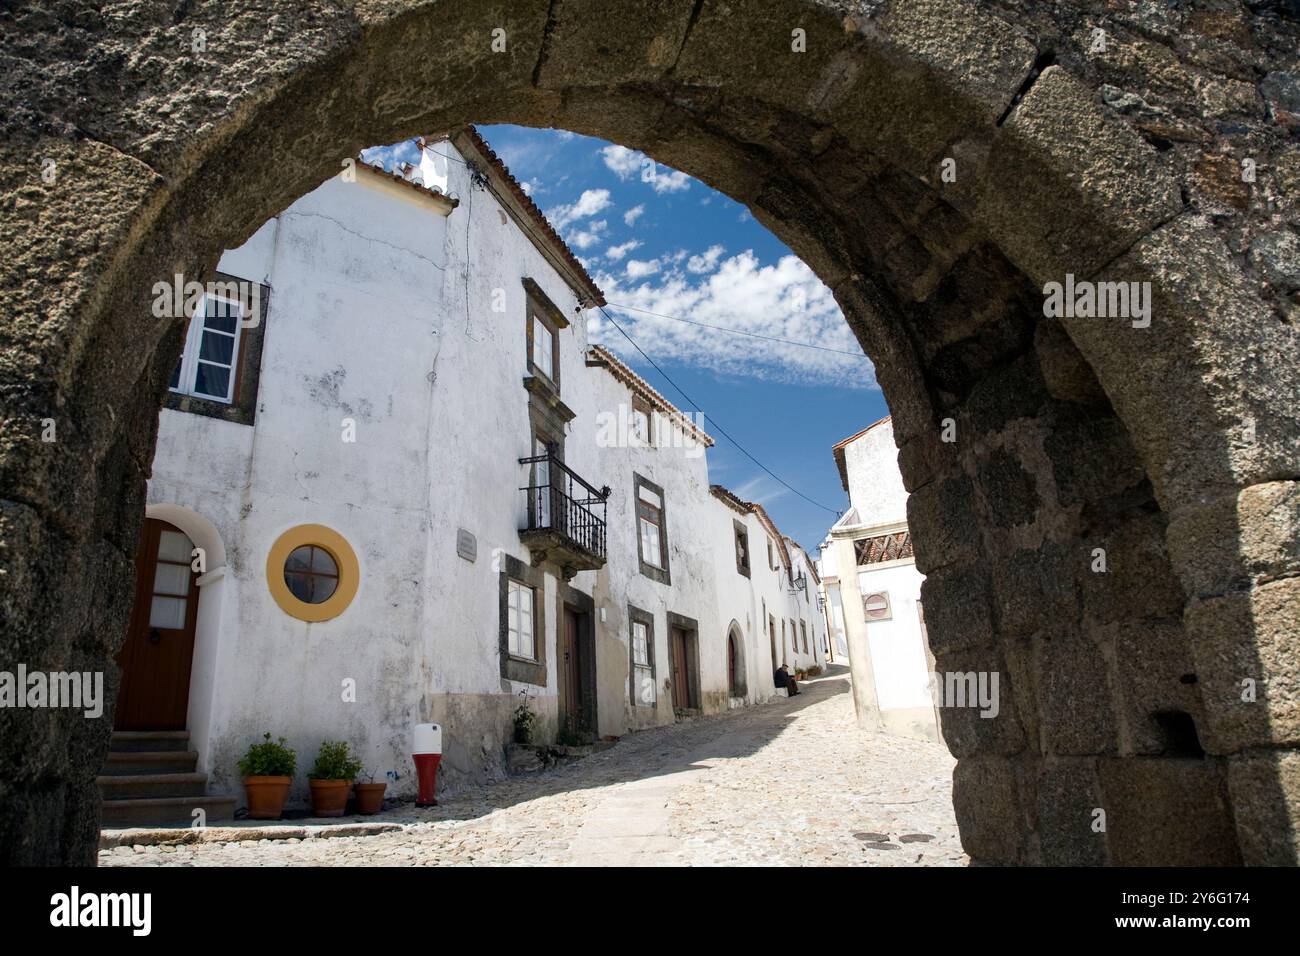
(267, 769)
(525, 721)
(331, 777)
(370, 795)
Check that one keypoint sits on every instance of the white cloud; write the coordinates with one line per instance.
(784, 300)
(623, 162)
(591, 202)
(633, 214)
(586, 238)
(670, 182)
(626, 163)
(614, 253)
(640, 268)
(706, 262)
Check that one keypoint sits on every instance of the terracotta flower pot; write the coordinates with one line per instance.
(329, 797)
(370, 797)
(266, 796)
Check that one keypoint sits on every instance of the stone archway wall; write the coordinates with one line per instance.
(128, 156)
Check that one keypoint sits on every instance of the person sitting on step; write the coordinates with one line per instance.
(783, 679)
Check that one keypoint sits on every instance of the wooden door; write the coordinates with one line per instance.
(731, 664)
(571, 661)
(155, 660)
(681, 680)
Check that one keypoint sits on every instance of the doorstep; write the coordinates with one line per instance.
(530, 758)
(255, 830)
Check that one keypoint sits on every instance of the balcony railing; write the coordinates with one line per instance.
(565, 513)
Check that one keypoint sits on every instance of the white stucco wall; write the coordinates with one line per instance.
(352, 332)
(410, 324)
(887, 658)
(897, 650)
(875, 485)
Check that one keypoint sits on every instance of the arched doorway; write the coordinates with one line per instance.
(1029, 444)
(156, 658)
(737, 682)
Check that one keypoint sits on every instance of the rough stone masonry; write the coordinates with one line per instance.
(1109, 140)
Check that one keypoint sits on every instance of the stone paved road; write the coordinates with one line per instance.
(791, 782)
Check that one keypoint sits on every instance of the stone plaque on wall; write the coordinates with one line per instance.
(466, 545)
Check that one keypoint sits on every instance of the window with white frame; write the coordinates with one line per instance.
(208, 365)
(543, 347)
(643, 680)
(650, 521)
(521, 626)
(641, 418)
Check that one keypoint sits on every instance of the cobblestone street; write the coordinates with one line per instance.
(788, 783)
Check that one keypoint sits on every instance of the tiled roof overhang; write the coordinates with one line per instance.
(599, 355)
(472, 146)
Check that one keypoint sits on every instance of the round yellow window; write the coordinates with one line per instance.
(312, 572)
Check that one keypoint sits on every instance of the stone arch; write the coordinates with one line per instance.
(737, 665)
(1172, 448)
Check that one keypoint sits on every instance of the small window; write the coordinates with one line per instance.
(169, 605)
(642, 418)
(651, 542)
(742, 548)
(521, 626)
(311, 574)
(803, 633)
(543, 344)
(643, 679)
(208, 364)
(543, 348)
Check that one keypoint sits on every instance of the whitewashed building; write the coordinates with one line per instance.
(873, 590)
(771, 598)
(407, 489)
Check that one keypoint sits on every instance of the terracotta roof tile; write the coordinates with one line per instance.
(730, 500)
(615, 366)
(397, 177)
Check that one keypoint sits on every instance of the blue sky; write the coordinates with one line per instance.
(660, 243)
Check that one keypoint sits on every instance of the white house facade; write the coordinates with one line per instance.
(395, 484)
(873, 590)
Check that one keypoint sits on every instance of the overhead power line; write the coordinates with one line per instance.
(754, 335)
(716, 425)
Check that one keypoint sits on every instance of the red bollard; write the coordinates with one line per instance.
(428, 754)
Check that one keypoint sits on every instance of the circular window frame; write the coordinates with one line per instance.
(344, 558)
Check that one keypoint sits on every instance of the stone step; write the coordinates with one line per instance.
(131, 741)
(132, 762)
(166, 811)
(150, 785)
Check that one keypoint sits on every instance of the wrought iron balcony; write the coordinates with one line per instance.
(566, 516)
